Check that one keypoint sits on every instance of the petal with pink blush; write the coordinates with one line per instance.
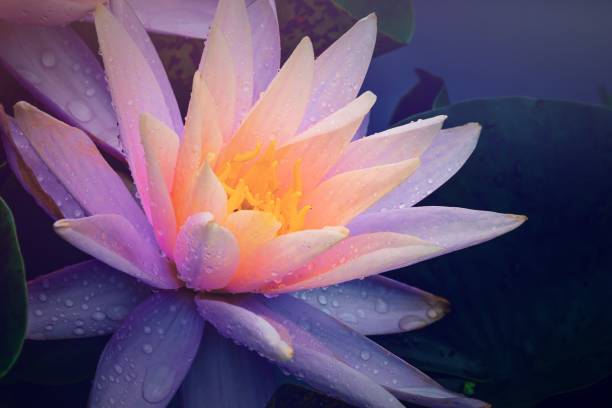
(208, 195)
(320, 146)
(232, 20)
(58, 68)
(277, 114)
(54, 12)
(266, 44)
(132, 24)
(391, 146)
(252, 229)
(446, 155)
(339, 71)
(355, 258)
(339, 199)
(114, 241)
(160, 147)
(134, 89)
(280, 256)
(202, 137)
(206, 253)
(78, 165)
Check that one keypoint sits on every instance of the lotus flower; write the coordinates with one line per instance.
(263, 220)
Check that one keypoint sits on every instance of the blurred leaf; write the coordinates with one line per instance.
(605, 97)
(325, 21)
(428, 93)
(531, 309)
(13, 300)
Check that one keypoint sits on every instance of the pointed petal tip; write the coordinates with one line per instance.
(61, 224)
(519, 219)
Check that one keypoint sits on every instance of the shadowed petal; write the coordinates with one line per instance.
(319, 147)
(339, 71)
(391, 146)
(147, 358)
(377, 305)
(61, 71)
(266, 44)
(33, 173)
(208, 195)
(132, 24)
(134, 88)
(277, 114)
(225, 375)
(206, 253)
(363, 128)
(252, 229)
(280, 256)
(339, 199)
(333, 358)
(83, 300)
(357, 257)
(54, 12)
(74, 160)
(113, 240)
(448, 152)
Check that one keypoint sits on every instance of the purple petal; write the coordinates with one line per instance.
(54, 12)
(377, 305)
(187, 18)
(315, 334)
(83, 300)
(448, 152)
(130, 21)
(339, 71)
(147, 358)
(60, 70)
(249, 321)
(266, 44)
(34, 175)
(225, 375)
(449, 227)
(79, 166)
(114, 241)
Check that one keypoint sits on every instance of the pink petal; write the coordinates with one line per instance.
(450, 228)
(448, 152)
(277, 114)
(74, 160)
(319, 147)
(114, 241)
(377, 305)
(202, 137)
(339, 199)
(357, 257)
(266, 44)
(206, 253)
(132, 24)
(82, 300)
(391, 146)
(339, 71)
(208, 195)
(54, 12)
(160, 147)
(33, 173)
(134, 88)
(252, 229)
(60, 70)
(280, 256)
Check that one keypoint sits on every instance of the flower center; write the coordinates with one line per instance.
(251, 182)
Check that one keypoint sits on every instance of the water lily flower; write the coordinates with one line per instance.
(263, 219)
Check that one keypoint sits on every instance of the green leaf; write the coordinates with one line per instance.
(13, 298)
(325, 21)
(428, 93)
(530, 309)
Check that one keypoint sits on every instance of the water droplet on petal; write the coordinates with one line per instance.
(147, 348)
(381, 306)
(48, 59)
(80, 111)
(365, 355)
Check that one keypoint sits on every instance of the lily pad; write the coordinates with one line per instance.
(428, 93)
(531, 309)
(13, 300)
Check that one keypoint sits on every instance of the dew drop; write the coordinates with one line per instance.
(381, 306)
(79, 331)
(99, 316)
(42, 297)
(80, 111)
(322, 299)
(48, 59)
(365, 355)
(147, 348)
(38, 312)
